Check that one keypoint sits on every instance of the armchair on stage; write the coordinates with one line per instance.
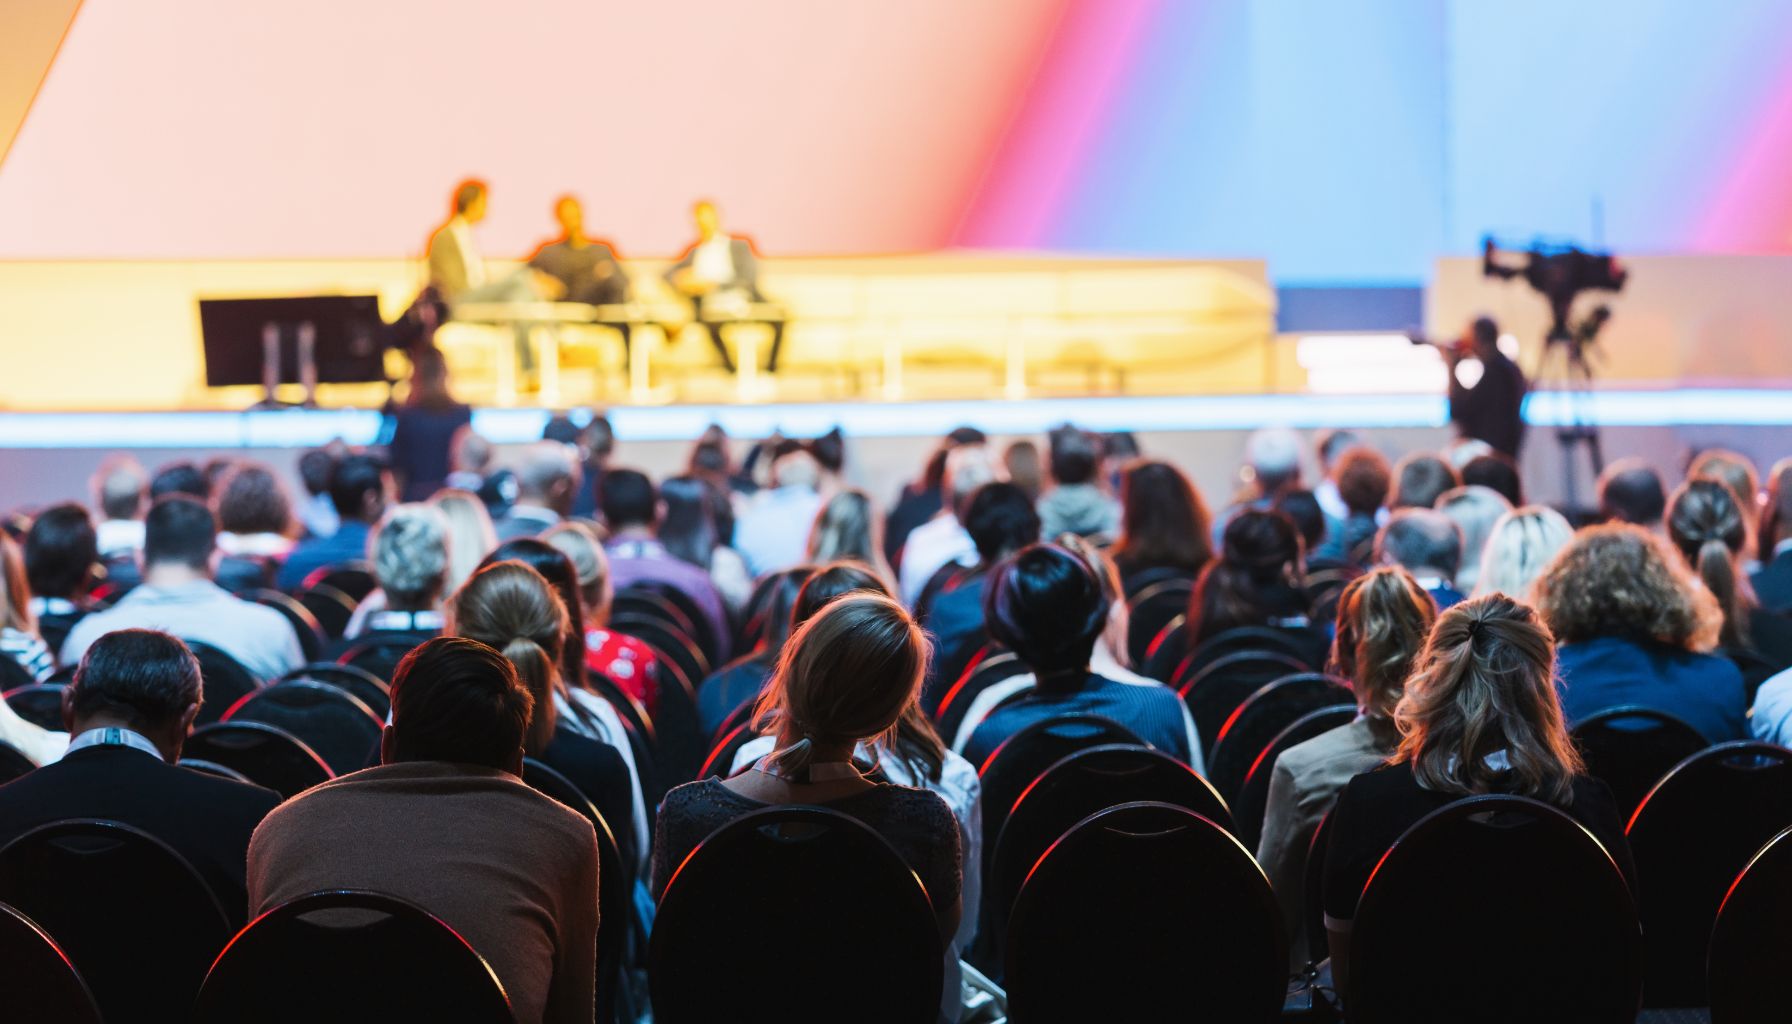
(893, 327)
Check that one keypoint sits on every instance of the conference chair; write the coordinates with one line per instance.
(1145, 912)
(354, 578)
(669, 642)
(226, 681)
(1262, 717)
(39, 703)
(1077, 786)
(331, 607)
(1131, 585)
(1631, 747)
(1252, 802)
(350, 957)
(1312, 917)
(378, 654)
(13, 763)
(133, 916)
(1495, 909)
(988, 667)
(720, 762)
(268, 755)
(353, 680)
(679, 743)
(615, 877)
(1167, 650)
(1750, 943)
(37, 978)
(1691, 837)
(14, 676)
(802, 913)
(1020, 759)
(338, 727)
(1215, 690)
(213, 768)
(304, 624)
(1151, 609)
(689, 618)
(1250, 638)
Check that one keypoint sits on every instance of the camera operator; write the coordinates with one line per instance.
(1489, 408)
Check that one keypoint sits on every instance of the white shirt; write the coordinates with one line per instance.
(469, 256)
(115, 736)
(930, 547)
(713, 261)
(1771, 719)
(119, 537)
(260, 638)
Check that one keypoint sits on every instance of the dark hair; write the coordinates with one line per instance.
(780, 609)
(1708, 528)
(1420, 478)
(143, 676)
(179, 478)
(60, 549)
(1021, 460)
(353, 479)
(1255, 579)
(1000, 519)
(179, 530)
(455, 699)
(556, 567)
(1497, 472)
(315, 469)
(829, 582)
(467, 193)
(1363, 479)
(251, 500)
(1776, 512)
(1631, 491)
(933, 475)
(1309, 518)
(1163, 521)
(627, 498)
(1046, 606)
(1074, 456)
(1421, 538)
(1486, 332)
(829, 450)
(689, 528)
(1333, 443)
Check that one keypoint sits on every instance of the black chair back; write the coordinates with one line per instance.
(353, 957)
(357, 682)
(1009, 769)
(1077, 786)
(669, 642)
(832, 915)
(1630, 748)
(677, 607)
(378, 654)
(133, 916)
(310, 632)
(331, 607)
(1312, 917)
(1495, 909)
(616, 881)
(1108, 925)
(1750, 943)
(226, 681)
(989, 667)
(1167, 650)
(39, 703)
(1215, 690)
(14, 763)
(1262, 717)
(213, 768)
(720, 762)
(38, 978)
(1150, 610)
(268, 755)
(354, 579)
(1691, 837)
(1250, 638)
(338, 727)
(14, 676)
(1253, 796)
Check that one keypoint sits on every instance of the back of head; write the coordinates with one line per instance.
(627, 498)
(1474, 510)
(830, 582)
(180, 478)
(458, 700)
(1075, 455)
(968, 467)
(1000, 519)
(471, 452)
(358, 487)
(797, 469)
(120, 487)
(1364, 478)
(1332, 444)
(1020, 461)
(179, 530)
(1422, 540)
(60, 550)
(1420, 478)
(829, 451)
(142, 677)
(470, 532)
(934, 473)
(1273, 456)
(1384, 618)
(1519, 545)
(579, 543)
(847, 675)
(1163, 521)
(1497, 472)
(554, 566)
(1617, 580)
(1631, 491)
(688, 525)
(1485, 684)
(410, 555)
(1736, 472)
(1710, 532)
(1255, 579)
(845, 528)
(467, 193)
(548, 472)
(251, 499)
(1046, 605)
(512, 609)
(780, 613)
(315, 469)
(1309, 518)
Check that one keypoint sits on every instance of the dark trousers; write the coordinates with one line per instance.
(713, 328)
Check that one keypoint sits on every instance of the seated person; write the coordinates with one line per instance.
(585, 268)
(121, 493)
(1633, 627)
(631, 508)
(1362, 478)
(61, 549)
(1257, 580)
(178, 596)
(942, 541)
(19, 639)
(547, 484)
(1491, 655)
(1631, 491)
(1705, 524)
(409, 554)
(1046, 606)
(1384, 619)
(361, 488)
(425, 426)
(1001, 521)
(719, 274)
(742, 680)
(135, 694)
(254, 527)
(446, 823)
(773, 530)
(1427, 544)
(1420, 479)
(625, 661)
(1164, 523)
(1077, 502)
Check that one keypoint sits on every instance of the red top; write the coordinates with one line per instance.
(627, 662)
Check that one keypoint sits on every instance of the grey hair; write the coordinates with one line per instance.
(1420, 538)
(544, 464)
(1474, 509)
(409, 550)
(1521, 543)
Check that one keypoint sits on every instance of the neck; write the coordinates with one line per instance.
(1059, 679)
(101, 720)
(634, 531)
(172, 574)
(820, 752)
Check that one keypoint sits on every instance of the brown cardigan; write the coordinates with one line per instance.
(512, 871)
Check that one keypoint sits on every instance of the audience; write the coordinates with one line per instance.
(409, 554)
(1165, 529)
(691, 529)
(1329, 447)
(1709, 530)
(1519, 546)
(1020, 464)
(1077, 502)
(134, 696)
(1384, 618)
(926, 497)
(943, 541)
(846, 530)
(178, 596)
(632, 509)
(469, 534)
(1474, 509)
(1773, 580)
(1479, 715)
(180, 478)
(121, 493)
(1427, 544)
(547, 482)
(20, 641)
(1631, 491)
(1257, 580)
(1046, 605)
(254, 526)
(630, 664)
(360, 489)
(1498, 473)
(61, 550)
(1308, 517)
(1362, 479)
(445, 822)
(733, 685)
(1420, 479)
(1000, 521)
(316, 467)
(1633, 627)
(774, 529)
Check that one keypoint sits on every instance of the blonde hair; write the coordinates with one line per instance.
(470, 534)
(847, 530)
(1475, 510)
(848, 674)
(1617, 580)
(1384, 618)
(15, 593)
(410, 555)
(513, 608)
(1518, 549)
(579, 542)
(1485, 683)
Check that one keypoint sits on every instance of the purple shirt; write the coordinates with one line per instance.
(645, 560)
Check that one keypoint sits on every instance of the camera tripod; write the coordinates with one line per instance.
(1563, 368)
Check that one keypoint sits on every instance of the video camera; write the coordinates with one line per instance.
(1559, 273)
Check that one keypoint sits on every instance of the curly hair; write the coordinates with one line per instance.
(1617, 580)
(251, 499)
(1384, 617)
(1363, 478)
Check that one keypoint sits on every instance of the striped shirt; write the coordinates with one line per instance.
(29, 651)
(1153, 713)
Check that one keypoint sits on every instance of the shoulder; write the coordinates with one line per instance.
(926, 810)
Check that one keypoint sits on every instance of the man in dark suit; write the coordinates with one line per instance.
(134, 696)
(719, 274)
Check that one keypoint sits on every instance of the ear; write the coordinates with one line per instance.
(188, 717)
(515, 767)
(389, 745)
(68, 710)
